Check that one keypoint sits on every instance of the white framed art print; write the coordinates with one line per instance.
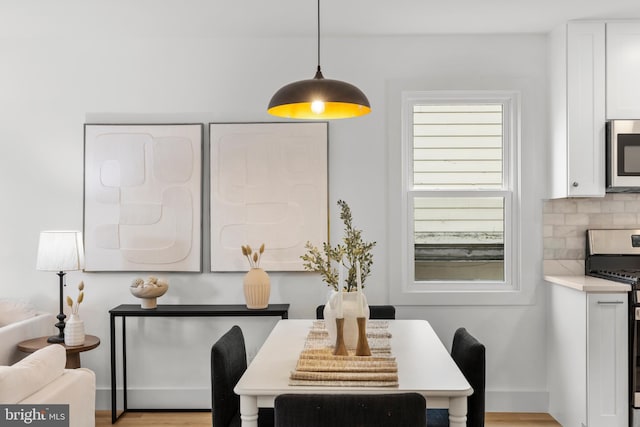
(143, 197)
(268, 184)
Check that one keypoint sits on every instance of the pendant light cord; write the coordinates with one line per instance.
(318, 35)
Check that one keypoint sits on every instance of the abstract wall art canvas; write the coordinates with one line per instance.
(268, 185)
(143, 197)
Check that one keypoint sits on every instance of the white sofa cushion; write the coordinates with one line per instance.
(31, 373)
(13, 311)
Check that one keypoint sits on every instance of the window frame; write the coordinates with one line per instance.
(510, 101)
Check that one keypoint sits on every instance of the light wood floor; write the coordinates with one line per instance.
(203, 419)
(495, 419)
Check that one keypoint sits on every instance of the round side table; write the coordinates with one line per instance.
(73, 353)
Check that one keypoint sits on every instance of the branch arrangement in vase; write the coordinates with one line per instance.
(75, 306)
(253, 257)
(352, 250)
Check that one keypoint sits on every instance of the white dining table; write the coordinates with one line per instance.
(424, 366)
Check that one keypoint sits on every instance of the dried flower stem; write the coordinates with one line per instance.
(76, 306)
(253, 257)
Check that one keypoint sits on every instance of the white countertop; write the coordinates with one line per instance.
(587, 283)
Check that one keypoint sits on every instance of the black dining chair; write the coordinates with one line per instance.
(469, 355)
(228, 363)
(375, 312)
(338, 410)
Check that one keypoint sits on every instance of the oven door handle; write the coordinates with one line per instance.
(610, 302)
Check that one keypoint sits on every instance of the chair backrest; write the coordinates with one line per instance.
(375, 312)
(331, 410)
(228, 363)
(469, 355)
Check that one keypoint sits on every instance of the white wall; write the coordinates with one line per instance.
(57, 77)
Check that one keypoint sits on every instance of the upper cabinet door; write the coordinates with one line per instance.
(623, 70)
(577, 102)
(586, 108)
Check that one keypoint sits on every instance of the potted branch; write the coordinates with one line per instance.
(353, 256)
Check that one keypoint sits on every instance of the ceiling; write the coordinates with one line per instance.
(294, 18)
(404, 17)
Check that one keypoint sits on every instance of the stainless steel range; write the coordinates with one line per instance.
(615, 255)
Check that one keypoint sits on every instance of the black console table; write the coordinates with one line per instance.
(177, 310)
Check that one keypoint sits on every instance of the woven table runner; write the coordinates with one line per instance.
(317, 366)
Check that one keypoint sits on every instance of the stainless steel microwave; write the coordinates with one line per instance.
(623, 156)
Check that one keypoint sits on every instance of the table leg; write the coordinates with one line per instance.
(249, 411)
(458, 411)
(112, 337)
(73, 361)
(124, 364)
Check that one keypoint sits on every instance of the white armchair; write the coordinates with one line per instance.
(41, 379)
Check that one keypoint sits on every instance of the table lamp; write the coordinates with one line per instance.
(60, 251)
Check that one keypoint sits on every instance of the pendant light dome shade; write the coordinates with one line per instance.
(319, 98)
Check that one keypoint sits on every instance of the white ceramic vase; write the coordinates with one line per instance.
(257, 288)
(349, 312)
(74, 331)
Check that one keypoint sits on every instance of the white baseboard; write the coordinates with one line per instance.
(198, 398)
(516, 401)
(174, 398)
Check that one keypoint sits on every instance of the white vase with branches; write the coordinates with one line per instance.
(354, 256)
(74, 327)
(256, 284)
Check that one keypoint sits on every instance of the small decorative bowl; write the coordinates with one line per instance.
(149, 292)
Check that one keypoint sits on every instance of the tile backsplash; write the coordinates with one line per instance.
(566, 221)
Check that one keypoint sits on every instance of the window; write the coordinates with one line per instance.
(460, 189)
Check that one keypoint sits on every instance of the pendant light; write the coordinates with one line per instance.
(319, 98)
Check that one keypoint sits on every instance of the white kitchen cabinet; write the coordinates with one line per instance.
(587, 358)
(577, 95)
(623, 69)
(607, 360)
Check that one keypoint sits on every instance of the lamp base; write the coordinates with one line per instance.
(55, 339)
(60, 325)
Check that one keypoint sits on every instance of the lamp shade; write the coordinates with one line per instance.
(60, 251)
(319, 99)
